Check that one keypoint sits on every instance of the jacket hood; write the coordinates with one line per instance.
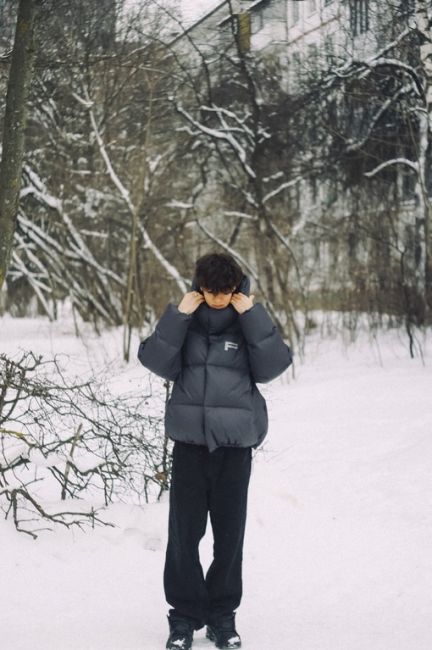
(216, 321)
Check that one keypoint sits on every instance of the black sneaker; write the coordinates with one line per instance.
(223, 633)
(181, 634)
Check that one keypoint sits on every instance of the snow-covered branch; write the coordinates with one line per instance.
(395, 161)
(355, 146)
(281, 188)
(125, 195)
(220, 134)
(41, 193)
(243, 127)
(351, 66)
(239, 215)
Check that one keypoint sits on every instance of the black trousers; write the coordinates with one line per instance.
(202, 483)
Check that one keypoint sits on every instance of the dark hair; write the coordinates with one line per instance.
(217, 272)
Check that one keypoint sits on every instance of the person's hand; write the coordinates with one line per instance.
(241, 302)
(190, 301)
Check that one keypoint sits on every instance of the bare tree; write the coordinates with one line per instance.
(75, 437)
(424, 27)
(20, 76)
(377, 120)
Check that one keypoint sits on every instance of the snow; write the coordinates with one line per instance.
(337, 548)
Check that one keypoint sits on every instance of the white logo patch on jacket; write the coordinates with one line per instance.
(230, 344)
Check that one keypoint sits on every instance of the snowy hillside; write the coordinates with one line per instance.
(337, 550)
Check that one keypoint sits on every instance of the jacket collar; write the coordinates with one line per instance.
(215, 321)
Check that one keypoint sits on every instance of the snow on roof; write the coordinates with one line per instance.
(209, 12)
(256, 3)
(197, 21)
(252, 6)
(206, 13)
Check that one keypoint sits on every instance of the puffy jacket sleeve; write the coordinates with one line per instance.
(161, 351)
(269, 356)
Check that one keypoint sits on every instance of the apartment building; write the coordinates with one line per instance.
(317, 31)
(307, 36)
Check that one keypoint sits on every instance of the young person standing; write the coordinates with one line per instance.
(215, 345)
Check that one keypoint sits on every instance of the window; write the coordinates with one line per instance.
(407, 8)
(296, 11)
(312, 54)
(329, 50)
(296, 58)
(314, 189)
(359, 16)
(257, 21)
(408, 184)
(296, 67)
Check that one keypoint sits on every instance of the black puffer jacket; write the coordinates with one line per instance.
(214, 357)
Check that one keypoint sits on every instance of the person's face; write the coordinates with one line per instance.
(217, 300)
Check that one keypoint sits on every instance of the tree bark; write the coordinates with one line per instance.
(20, 75)
(424, 26)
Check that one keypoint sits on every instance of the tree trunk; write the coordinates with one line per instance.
(13, 131)
(424, 26)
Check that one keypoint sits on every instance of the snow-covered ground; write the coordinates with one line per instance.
(338, 543)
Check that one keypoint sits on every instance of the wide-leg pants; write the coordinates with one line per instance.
(202, 483)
